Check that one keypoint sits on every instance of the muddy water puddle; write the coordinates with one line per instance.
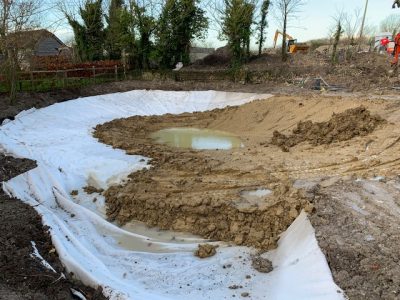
(165, 236)
(254, 199)
(137, 236)
(198, 139)
(255, 195)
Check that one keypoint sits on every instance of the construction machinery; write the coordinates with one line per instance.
(396, 51)
(292, 45)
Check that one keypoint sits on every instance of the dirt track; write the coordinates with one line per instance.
(361, 247)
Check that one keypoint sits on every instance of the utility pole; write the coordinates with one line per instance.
(362, 25)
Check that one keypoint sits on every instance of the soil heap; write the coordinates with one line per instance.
(341, 127)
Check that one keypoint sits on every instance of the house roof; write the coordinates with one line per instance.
(29, 38)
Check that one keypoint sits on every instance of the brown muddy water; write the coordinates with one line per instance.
(198, 139)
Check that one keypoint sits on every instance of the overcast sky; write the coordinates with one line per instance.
(317, 15)
(313, 22)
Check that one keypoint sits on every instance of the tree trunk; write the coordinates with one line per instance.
(261, 40)
(12, 75)
(248, 48)
(284, 51)
(336, 42)
(263, 24)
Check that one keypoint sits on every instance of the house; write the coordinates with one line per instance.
(34, 46)
(197, 53)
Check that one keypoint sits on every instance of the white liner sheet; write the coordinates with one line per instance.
(59, 138)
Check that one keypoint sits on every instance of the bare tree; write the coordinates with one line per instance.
(391, 24)
(262, 24)
(351, 24)
(370, 30)
(336, 32)
(287, 10)
(15, 16)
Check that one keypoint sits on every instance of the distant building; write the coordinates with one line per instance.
(34, 46)
(197, 53)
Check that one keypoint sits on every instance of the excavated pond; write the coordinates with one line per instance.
(198, 191)
(243, 195)
(216, 193)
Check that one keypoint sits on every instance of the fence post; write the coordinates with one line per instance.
(94, 74)
(64, 78)
(116, 72)
(31, 75)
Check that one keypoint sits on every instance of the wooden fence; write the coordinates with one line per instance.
(58, 79)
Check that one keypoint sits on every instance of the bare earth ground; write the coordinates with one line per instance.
(21, 276)
(356, 211)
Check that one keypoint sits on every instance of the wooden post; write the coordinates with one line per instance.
(64, 78)
(32, 84)
(124, 62)
(116, 72)
(362, 25)
(94, 74)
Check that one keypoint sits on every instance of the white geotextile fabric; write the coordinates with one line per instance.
(59, 138)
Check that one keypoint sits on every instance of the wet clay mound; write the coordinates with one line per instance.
(212, 210)
(341, 127)
(197, 191)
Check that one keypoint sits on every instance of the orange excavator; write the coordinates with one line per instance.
(396, 50)
(292, 45)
